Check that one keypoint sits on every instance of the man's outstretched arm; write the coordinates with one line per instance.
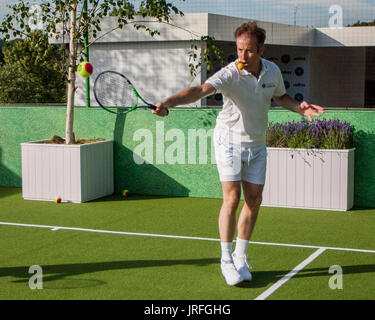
(184, 97)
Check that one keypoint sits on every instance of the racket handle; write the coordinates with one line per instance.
(151, 106)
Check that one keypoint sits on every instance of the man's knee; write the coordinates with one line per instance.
(232, 199)
(254, 200)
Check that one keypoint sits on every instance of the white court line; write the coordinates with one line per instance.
(264, 295)
(290, 274)
(56, 228)
(312, 247)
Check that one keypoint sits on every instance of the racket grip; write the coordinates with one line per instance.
(151, 106)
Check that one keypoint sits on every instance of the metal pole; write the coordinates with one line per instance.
(86, 43)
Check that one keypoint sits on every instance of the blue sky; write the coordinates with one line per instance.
(309, 12)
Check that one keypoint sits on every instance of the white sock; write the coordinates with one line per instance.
(226, 251)
(241, 247)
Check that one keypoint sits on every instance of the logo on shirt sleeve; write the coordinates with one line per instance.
(268, 85)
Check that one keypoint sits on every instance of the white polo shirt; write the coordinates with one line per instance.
(246, 101)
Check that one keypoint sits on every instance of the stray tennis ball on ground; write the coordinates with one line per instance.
(58, 200)
(85, 69)
(125, 193)
(240, 65)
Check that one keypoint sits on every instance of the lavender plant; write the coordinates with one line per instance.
(320, 134)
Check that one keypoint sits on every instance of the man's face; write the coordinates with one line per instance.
(247, 49)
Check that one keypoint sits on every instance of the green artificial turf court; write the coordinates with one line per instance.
(147, 248)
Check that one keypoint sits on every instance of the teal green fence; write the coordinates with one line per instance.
(177, 148)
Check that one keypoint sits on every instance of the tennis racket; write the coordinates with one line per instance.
(114, 90)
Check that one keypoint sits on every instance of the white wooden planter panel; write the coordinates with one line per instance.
(76, 173)
(314, 179)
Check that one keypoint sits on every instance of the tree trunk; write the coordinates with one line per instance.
(69, 134)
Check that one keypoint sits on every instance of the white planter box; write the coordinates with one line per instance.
(311, 179)
(76, 173)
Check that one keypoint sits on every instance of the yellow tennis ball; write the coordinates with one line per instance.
(240, 65)
(125, 193)
(85, 69)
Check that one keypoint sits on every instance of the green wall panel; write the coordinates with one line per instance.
(162, 141)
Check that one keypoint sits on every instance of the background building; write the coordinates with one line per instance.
(333, 67)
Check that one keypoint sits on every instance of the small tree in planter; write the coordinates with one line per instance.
(72, 19)
(76, 20)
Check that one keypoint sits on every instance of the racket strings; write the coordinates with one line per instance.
(112, 90)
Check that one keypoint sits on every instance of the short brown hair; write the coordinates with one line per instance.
(252, 28)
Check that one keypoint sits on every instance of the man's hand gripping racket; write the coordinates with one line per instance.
(114, 90)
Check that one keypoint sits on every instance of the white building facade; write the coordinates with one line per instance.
(333, 67)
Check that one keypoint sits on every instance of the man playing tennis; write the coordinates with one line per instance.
(247, 85)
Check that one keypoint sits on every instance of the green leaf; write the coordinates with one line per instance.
(32, 71)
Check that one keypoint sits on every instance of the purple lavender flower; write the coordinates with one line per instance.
(321, 134)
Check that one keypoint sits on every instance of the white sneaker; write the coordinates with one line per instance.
(230, 273)
(241, 264)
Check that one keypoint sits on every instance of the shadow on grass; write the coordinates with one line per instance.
(354, 209)
(9, 191)
(132, 197)
(264, 278)
(61, 273)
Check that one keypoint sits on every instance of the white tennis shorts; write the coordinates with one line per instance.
(239, 162)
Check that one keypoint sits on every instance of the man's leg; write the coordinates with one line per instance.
(227, 228)
(227, 217)
(246, 224)
(249, 213)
